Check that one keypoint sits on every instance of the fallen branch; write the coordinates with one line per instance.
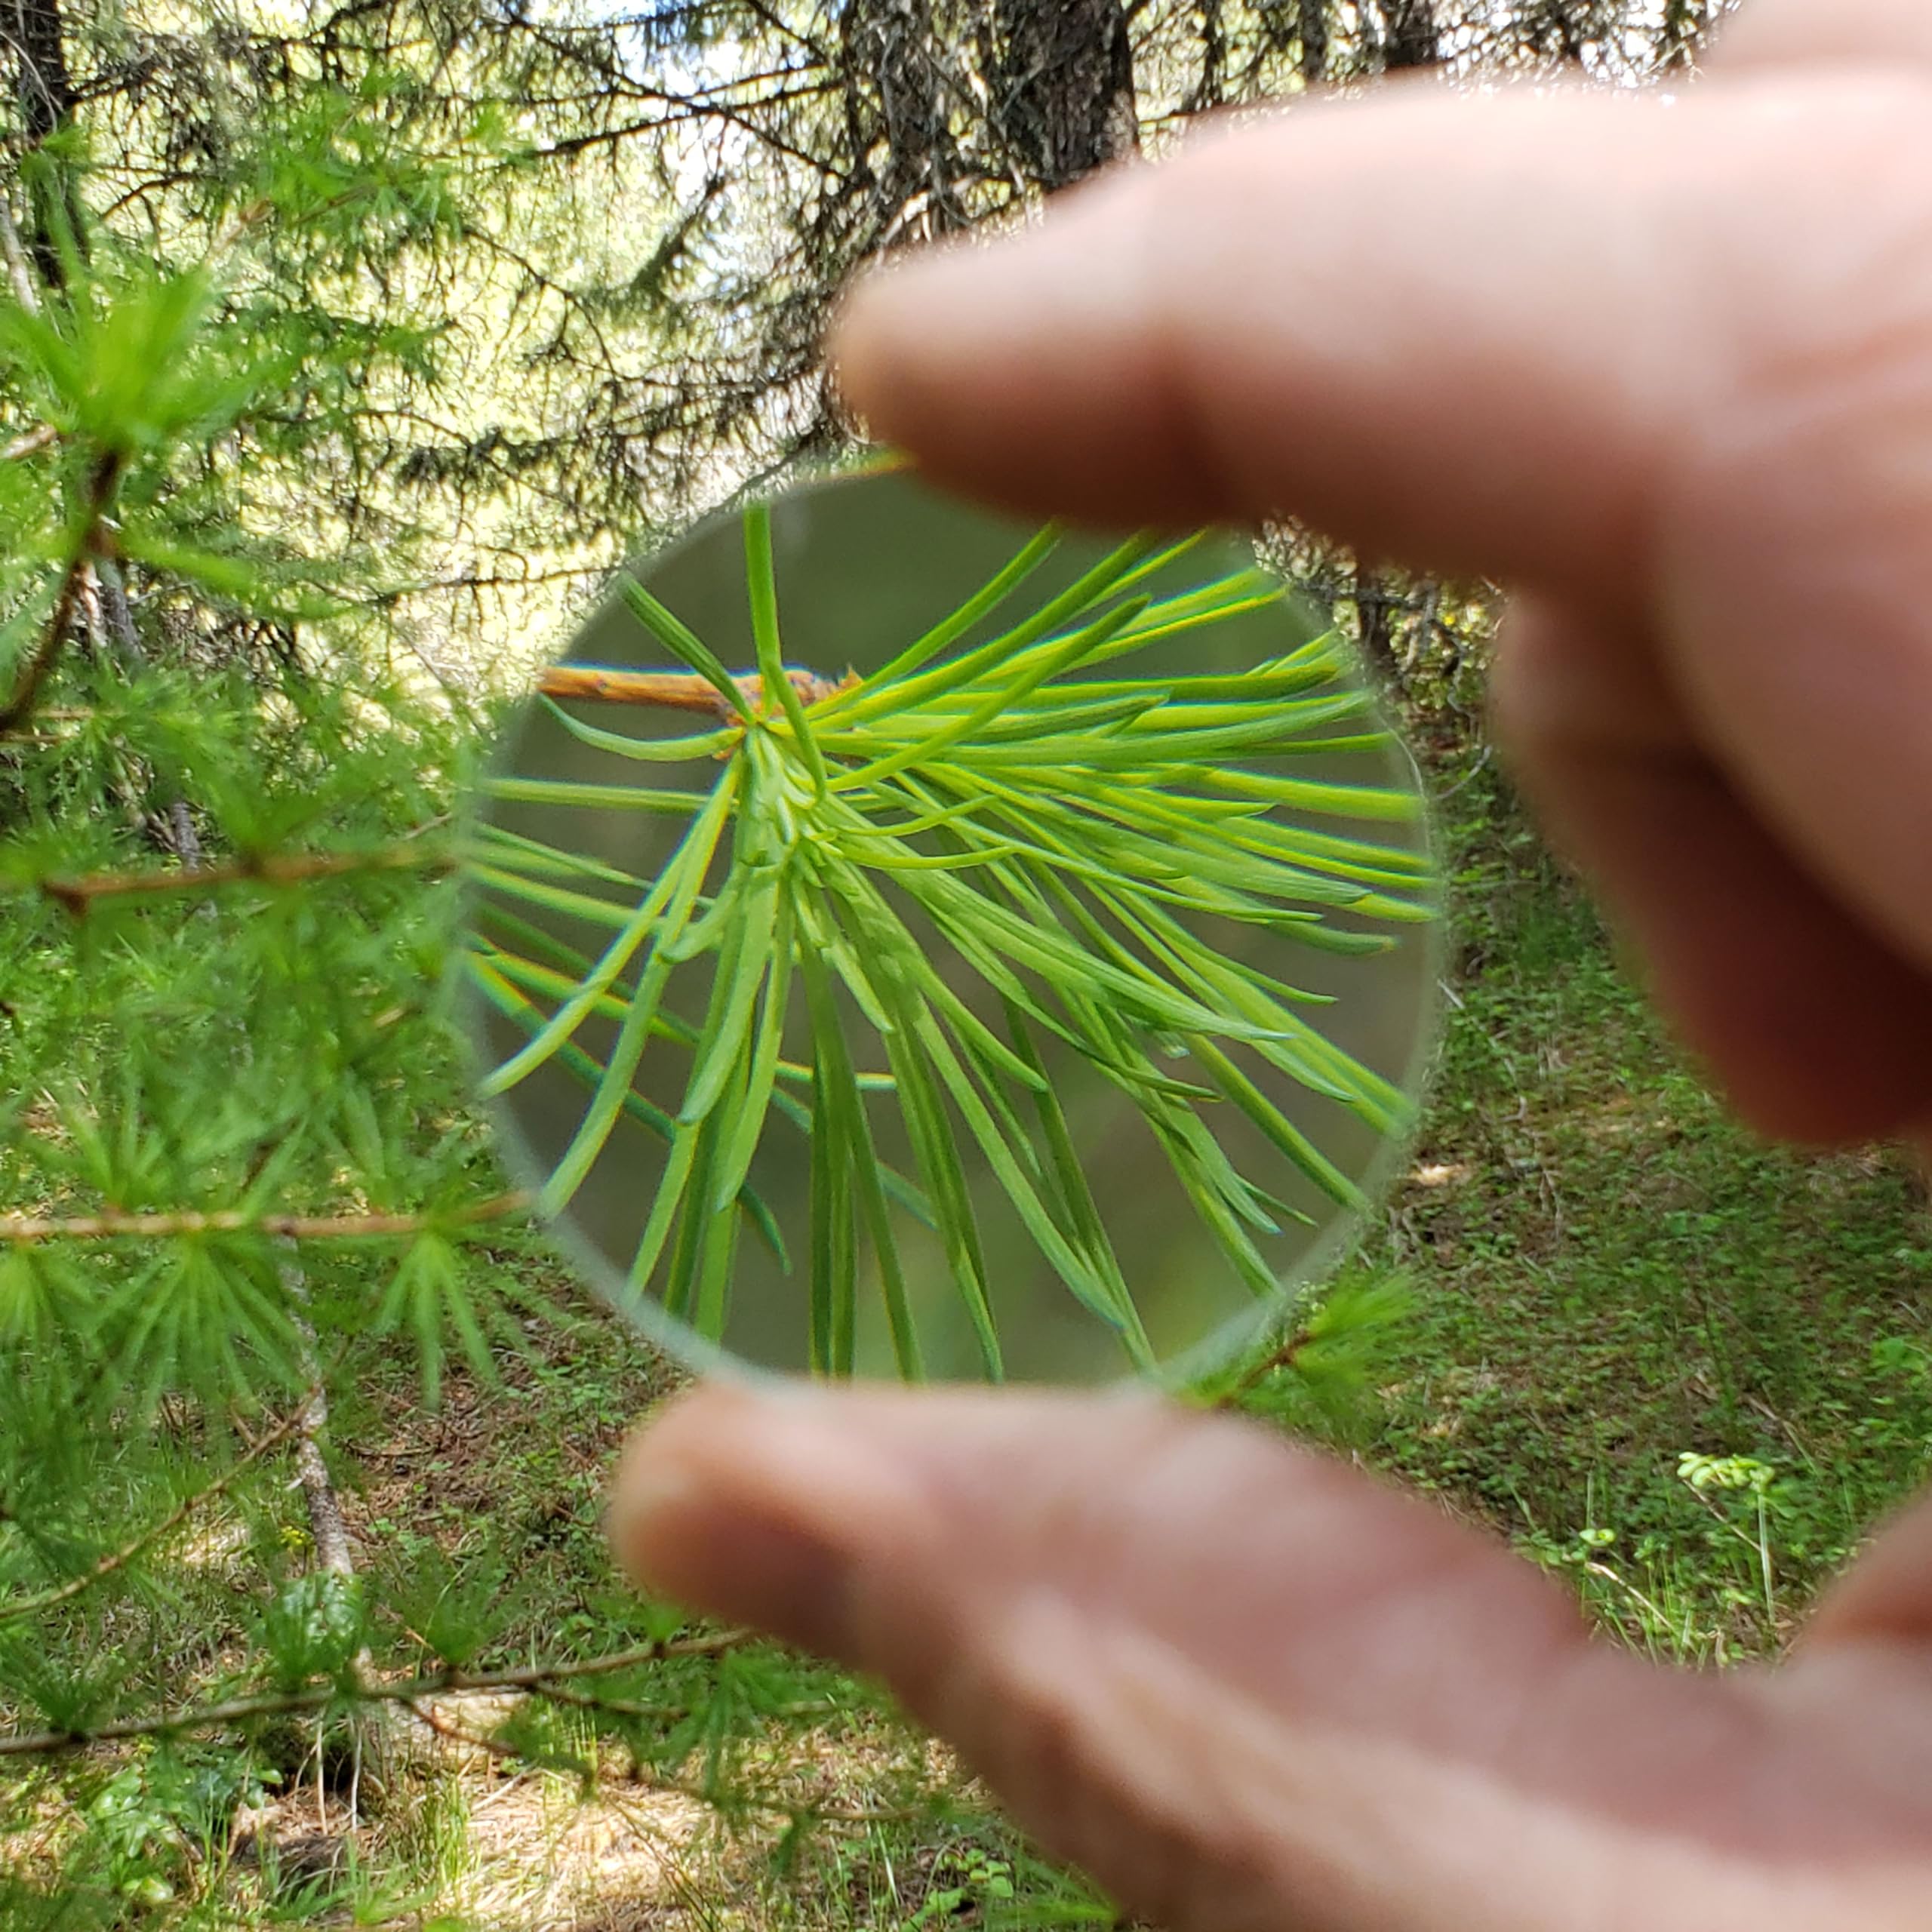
(233, 1221)
(31, 444)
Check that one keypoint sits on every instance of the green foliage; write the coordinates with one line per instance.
(346, 338)
(1607, 1276)
(164, 1811)
(1066, 832)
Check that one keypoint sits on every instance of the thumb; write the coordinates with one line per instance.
(1243, 1685)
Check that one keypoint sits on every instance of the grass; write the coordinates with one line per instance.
(1681, 1368)
(1685, 1367)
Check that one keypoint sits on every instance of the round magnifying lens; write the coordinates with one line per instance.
(904, 942)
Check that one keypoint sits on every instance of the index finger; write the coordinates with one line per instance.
(1669, 367)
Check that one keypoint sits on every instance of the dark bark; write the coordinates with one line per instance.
(1067, 104)
(44, 98)
(1375, 624)
(898, 114)
(43, 87)
(1313, 30)
(1412, 38)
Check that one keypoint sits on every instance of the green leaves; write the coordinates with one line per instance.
(991, 855)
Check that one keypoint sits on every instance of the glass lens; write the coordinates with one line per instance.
(1048, 1010)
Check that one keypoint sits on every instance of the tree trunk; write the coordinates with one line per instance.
(371, 1728)
(1375, 626)
(1068, 104)
(44, 98)
(1413, 39)
(43, 88)
(1313, 33)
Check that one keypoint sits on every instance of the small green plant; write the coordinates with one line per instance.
(164, 1811)
(1067, 838)
(967, 1880)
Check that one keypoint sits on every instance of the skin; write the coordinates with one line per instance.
(1666, 369)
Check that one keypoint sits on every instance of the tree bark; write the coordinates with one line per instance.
(327, 1527)
(1414, 39)
(1313, 33)
(1068, 104)
(1374, 626)
(43, 87)
(43, 98)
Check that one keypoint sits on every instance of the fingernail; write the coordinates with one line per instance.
(746, 1507)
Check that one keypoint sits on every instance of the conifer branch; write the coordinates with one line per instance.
(1285, 1356)
(102, 484)
(532, 1678)
(24, 1228)
(119, 1559)
(674, 690)
(433, 1720)
(77, 894)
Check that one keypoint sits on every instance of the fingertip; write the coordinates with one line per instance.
(659, 1477)
(858, 342)
(754, 1504)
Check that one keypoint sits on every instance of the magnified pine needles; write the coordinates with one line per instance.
(1060, 827)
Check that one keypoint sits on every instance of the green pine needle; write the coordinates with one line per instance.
(1064, 832)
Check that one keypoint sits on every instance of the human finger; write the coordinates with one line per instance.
(1768, 33)
(1817, 1028)
(1246, 1686)
(1701, 422)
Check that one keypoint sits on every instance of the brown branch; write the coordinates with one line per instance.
(30, 444)
(119, 1559)
(287, 1227)
(77, 894)
(1284, 1357)
(532, 1678)
(673, 691)
(33, 674)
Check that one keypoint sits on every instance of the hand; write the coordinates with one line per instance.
(1668, 369)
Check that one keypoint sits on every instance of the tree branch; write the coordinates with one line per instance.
(33, 674)
(1284, 1357)
(673, 691)
(119, 1559)
(24, 1228)
(77, 894)
(534, 1677)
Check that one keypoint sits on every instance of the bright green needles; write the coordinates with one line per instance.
(896, 909)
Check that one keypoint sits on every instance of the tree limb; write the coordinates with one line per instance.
(33, 674)
(119, 1559)
(77, 894)
(532, 1678)
(26, 1228)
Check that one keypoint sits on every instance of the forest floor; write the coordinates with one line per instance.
(1682, 1368)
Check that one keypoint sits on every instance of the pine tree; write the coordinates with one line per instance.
(342, 350)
